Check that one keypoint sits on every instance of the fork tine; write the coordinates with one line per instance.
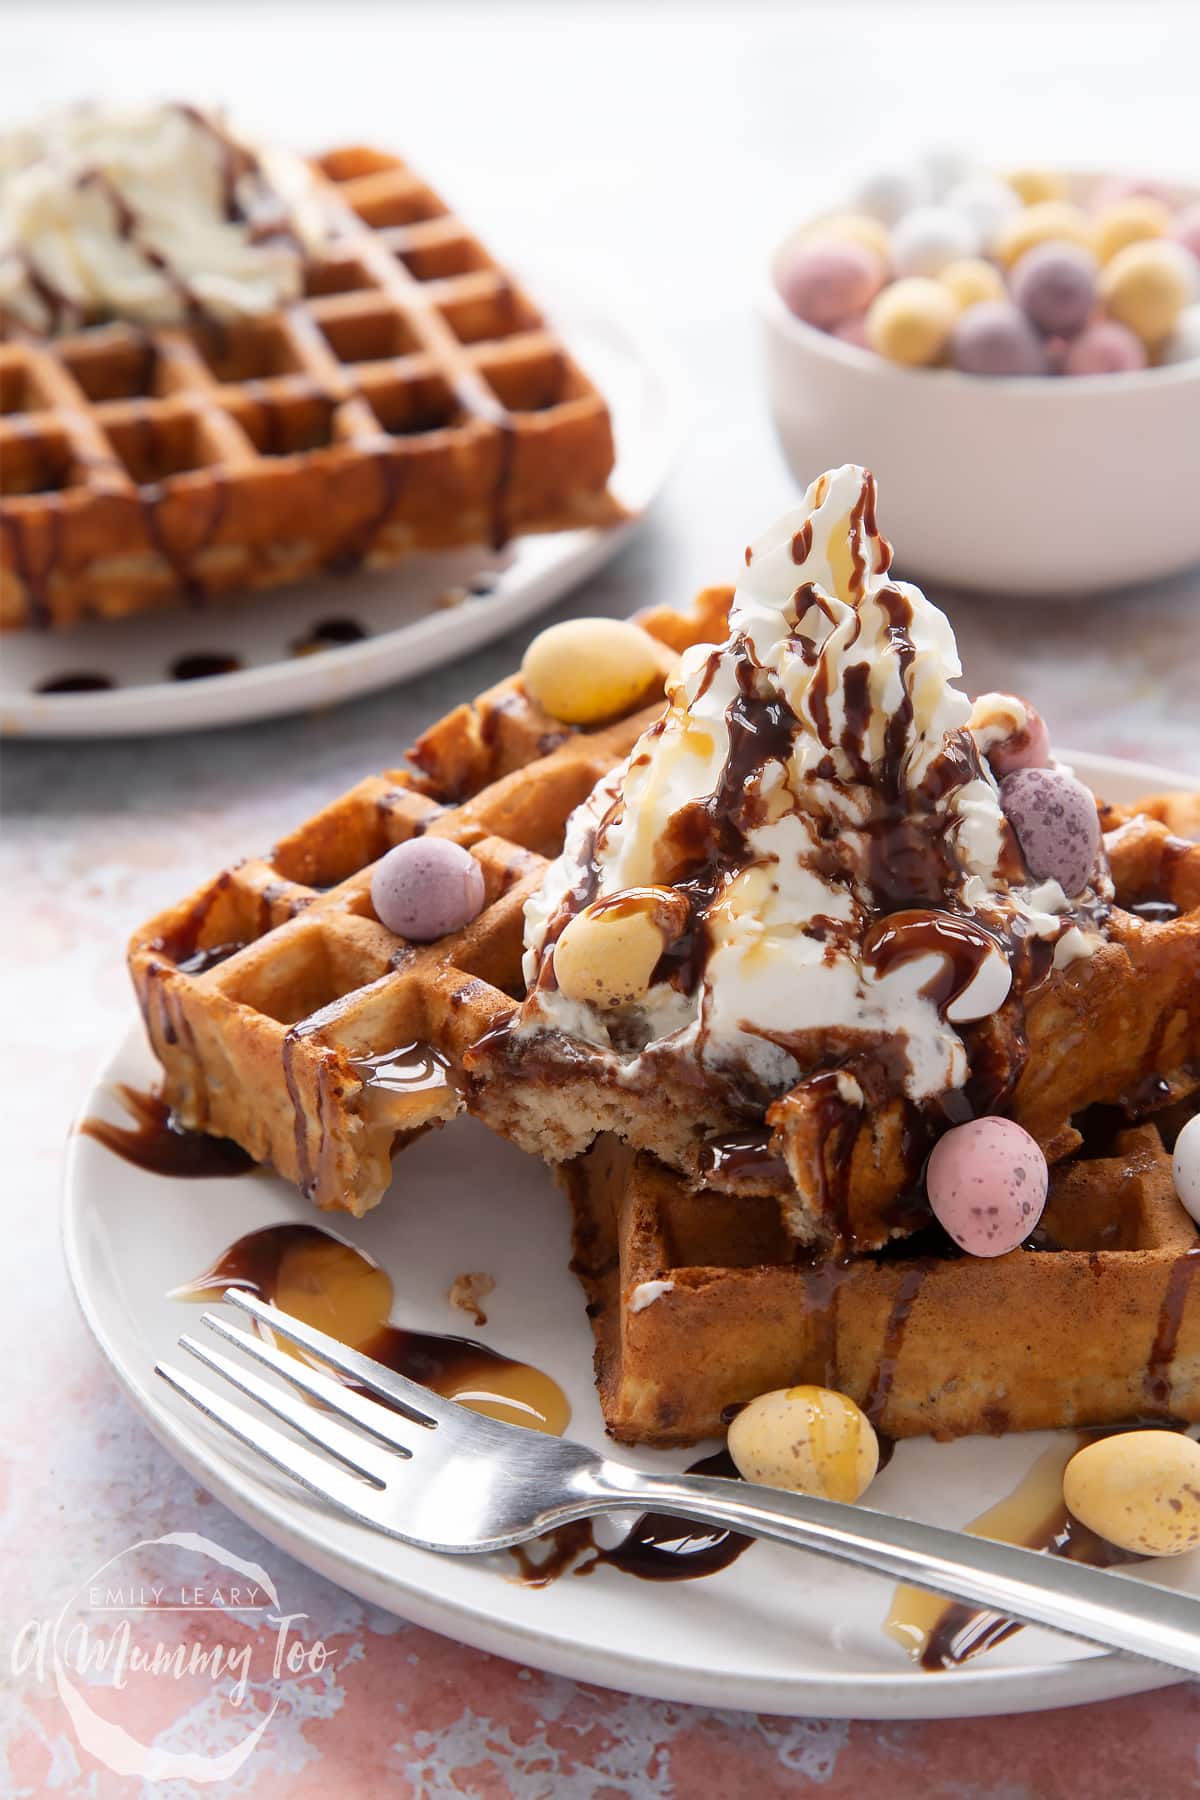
(347, 1447)
(416, 1401)
(315, 1473)
(396, 1432)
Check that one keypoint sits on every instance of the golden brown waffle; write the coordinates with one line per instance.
(288, 1018)
(414, 399)
(268, 994)
(698, 1303)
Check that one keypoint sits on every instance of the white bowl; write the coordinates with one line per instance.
(1030, 485)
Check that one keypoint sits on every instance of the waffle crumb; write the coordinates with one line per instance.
(468, 1291)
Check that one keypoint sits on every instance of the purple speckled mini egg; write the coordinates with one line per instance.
(995, 338)
(1057, 825)
(1055, 284)
(425, 888)
(986, 1184)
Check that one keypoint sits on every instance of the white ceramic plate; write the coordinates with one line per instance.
(778, 1631)
(425, 612)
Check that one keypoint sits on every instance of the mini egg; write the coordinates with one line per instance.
(809, 1440)
(853, 331)
(988, 203)
(1052, 219)
(1138, 1489)
(855, 228)
(585, 670)
(1185, 1167)
(1146, 286)
(1034, 186)
(1116, 188)
(996, 338)
(972, 280)
(945, 167)
(827, 279)
(1183, 344)
(1057, 825)
(1055, 285)
(1128, 221)
(1027, 745)
(925, 241)
(890, 193)
(986, 1184)
(911, 321)
(1186, 230)
(1104, 348)
(427, 887)
(607, 954)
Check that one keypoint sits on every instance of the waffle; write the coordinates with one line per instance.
(287, 1018)
(414, 399)
(698, 1303)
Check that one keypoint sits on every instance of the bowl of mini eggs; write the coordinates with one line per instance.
(1016, 357)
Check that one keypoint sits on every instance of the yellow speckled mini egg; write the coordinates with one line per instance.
(972, 280)
(810, 1440)
(1146, 286)
(911, 321)
(1129, 222)
(1049, 220)
(584, 670)
(854, 228)
(1140, 1490)
(607, 953)
(1036, 185)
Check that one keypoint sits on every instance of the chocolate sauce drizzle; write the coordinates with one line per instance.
(157, 1143)
(657, 1547)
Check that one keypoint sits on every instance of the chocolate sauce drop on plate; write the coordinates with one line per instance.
(155, 1143)
(75, 684)
(329, 634)
(202, 664)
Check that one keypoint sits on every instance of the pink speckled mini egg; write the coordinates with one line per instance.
(986, 1185)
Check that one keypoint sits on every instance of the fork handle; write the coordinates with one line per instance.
(1093, 1604)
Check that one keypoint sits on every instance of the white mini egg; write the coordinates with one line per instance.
(945, 167)
(928, 240)
(1186, 1167)
(1183, 345)
(890, 193)
(988, 203)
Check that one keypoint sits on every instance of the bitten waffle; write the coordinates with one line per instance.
(288, 1018)
(698, 1304)
(414, 399)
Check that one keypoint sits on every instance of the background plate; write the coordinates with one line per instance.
(423, 613)
(780, 1631)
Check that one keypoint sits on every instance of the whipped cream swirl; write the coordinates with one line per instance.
(815, 791)
(154, 215)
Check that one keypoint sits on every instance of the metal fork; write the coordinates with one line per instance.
(476, 1484)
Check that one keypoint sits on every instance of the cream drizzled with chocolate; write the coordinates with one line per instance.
(815, 793)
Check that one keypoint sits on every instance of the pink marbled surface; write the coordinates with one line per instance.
(96, 838)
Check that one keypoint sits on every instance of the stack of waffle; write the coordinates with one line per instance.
(287, 1017)
(413, 399)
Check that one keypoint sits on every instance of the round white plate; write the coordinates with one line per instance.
(422, 613)
(778, 1631)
